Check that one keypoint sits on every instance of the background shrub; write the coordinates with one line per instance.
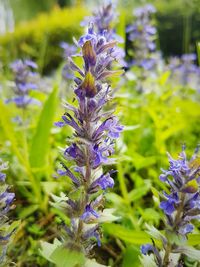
(39, 39)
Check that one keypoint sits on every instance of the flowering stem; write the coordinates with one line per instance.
(167, 253)
(24, 130)
(87, 179)
(179, 211)
(176, 222)
(95, 131)
(181, 206)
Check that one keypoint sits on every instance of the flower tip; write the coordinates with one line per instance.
(59, 124)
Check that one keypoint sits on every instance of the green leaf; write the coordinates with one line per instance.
(40, 143)
(25, 212)
(190, 252)
(127, 235)
(47, 249)
(107, 216)
(131, 257)
(164, 77)
(9, 132)
(150, 215)
(63, 257)
(155, 233)
(142, 162)
(138, 193)
(194, 239)
(148, 261)
(116, 199)
(93, 263)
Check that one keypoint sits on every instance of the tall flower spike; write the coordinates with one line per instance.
(25, 79)
(6, 200)
(142, 34)
(104, 20)
(185, 70)
(181, 207)
(68, 51)
(93, 143)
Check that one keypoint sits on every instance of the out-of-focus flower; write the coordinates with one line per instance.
(68, 51)
(104, 20)
(142, 34)
(25, 78)
(185, 71)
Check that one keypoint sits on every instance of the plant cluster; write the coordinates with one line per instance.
(99, 201)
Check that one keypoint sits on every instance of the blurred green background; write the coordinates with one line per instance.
(40, 26)
(178, 21)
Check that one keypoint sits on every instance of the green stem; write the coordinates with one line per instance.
(122, 182)
(85, 197)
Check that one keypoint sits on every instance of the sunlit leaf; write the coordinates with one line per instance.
(128, 235)
(40, 142)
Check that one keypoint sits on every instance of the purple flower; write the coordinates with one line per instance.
(146, 249)
(181, 206)
(95, 131)
(68, 51)
(2, 177)
(6, 200)
(3, 167)
(184, 70)
(182, 178)
(168, 206)
(146, 10)
(104, 181)
(186, 229)
(104, 20)
(142, 35)
(112, 126)
(25, 79)
(89, 214)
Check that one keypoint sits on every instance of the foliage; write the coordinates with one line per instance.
(160, 113)
(39, 39)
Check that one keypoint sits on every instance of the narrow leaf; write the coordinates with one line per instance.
(40, 143)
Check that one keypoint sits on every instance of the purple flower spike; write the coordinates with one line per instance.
(142, 35)
(68, 51)
(25, 81)
(92, 144)
(181, 207)
(184, 70)
(6, 200)
(104, 20)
